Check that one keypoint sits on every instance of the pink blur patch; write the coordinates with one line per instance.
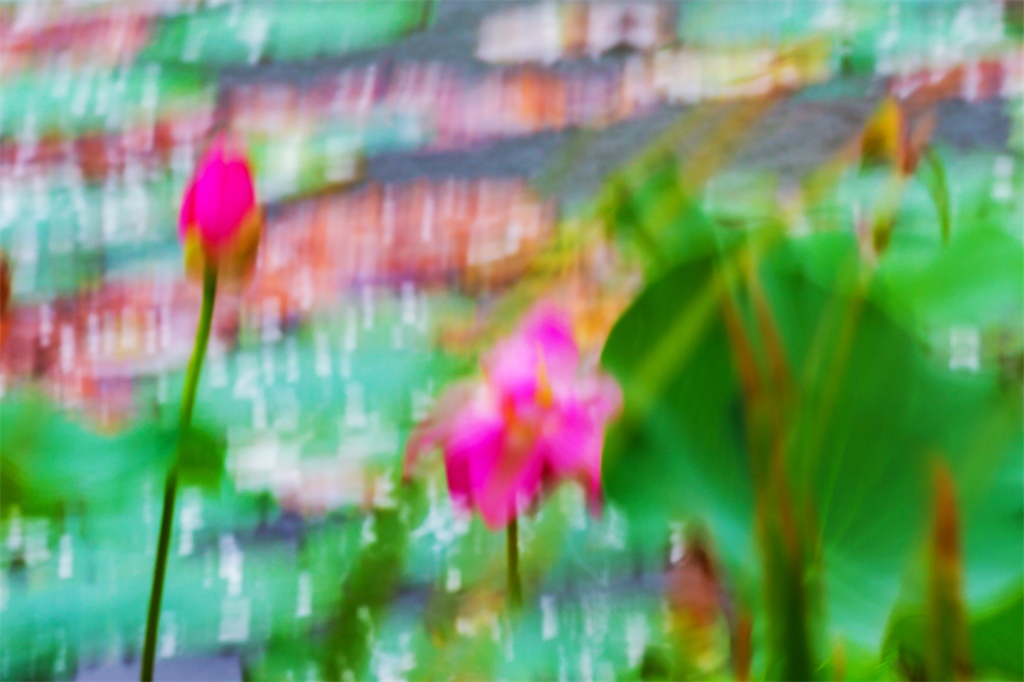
(505, 440)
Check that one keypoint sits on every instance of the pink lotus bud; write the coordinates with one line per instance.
(220, 221)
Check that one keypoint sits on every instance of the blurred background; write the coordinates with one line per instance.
(428, 168)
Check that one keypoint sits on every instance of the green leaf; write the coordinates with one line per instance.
(997, 638)
(283, 659)
(872, 412)
(975, 280)
(49, 461)
(201, 457)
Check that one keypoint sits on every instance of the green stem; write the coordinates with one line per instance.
(195, 365)
(938, 188)
(788, 576)
(515, 589)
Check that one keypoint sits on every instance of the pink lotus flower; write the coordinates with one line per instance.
(220, 221)
(534, 420)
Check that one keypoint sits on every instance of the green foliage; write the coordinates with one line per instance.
(995, 634)
(975, 280)
(279, 32)
(647, 205)
(49, 460)
(873, 409)
(129, 93)
(201, 457)
(934, 179)
(371, 583)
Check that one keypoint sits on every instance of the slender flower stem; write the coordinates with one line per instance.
(515, 589)
(188, 399)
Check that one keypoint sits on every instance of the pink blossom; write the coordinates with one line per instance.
(220, 221)
(534, 419)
